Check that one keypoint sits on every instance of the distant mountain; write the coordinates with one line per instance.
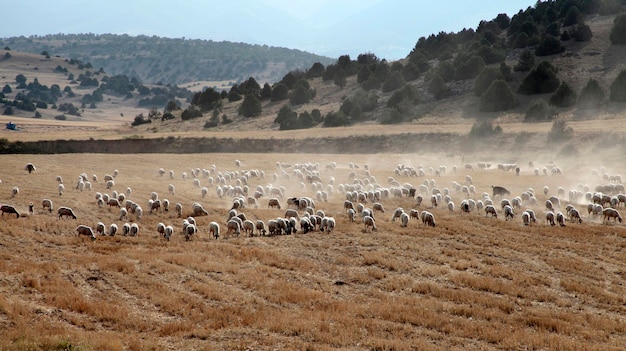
(155, 59)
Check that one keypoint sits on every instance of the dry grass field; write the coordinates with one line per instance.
(471, 282)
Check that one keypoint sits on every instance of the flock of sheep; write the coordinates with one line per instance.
(305, 186)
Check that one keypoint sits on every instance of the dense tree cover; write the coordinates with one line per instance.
(498, 97)
(250, 107)
(540, 80)
(484, 80)
(288, 119)
(206, 99)
(539, 111)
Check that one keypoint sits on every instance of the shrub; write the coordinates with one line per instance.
(469, 69)
(491, 55)
(484, 80)
(498, 97)
(336, 119)
(549, 46)
(618, 88)
(525, 62)
(560, 131)
(371, 84)
(340, 78)
(410, 72)
(60, 117)
(363, 75)
(301, 94)
(8, 111)
(540, 80)
(521, 41)
(564, 96)
(280, 92)
(582, 32)
(37, 114)
(483, 129)
(250, 107)
(191, 112)
(408, 93)
(618, 31)
(591, 96)
(393, 82)
(539, 111)
(446, 71)
(572, 17)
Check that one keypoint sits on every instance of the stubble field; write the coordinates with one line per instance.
(471, 282)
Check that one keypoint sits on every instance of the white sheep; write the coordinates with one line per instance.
(100, 228)
(248, 227)
(428, 218)
(560, 219)
(508, 212)
(126, 229)
(85, 230)
(330, 224)
(190, 230)
(397, 213)
(404, 219)
(112, 229)
(47, 203)
(550, 218)
(123, 214)
(134, 229)
(233, 226)
(491, 210)
(369, 222)
(214, 229)
(198, 210)
(169, 230)
(67, 212)
(15, 191)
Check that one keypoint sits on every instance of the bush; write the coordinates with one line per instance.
(591, 96)
(340, 78)
(484, 80)
(393, 82)
(582, 32)
(572, 17)
(484, 129)
(7, 89)
(408, 93)
(498, 97)
(301, 94)
(525, 62)
(521, 41)
(280, 92)
(541, 80)
(564, 96)
(446, 71)
(539, 111)
(560, 131)
(438, 88)
(371, 84)
(618, 31)
(250, 107)
(469, 69)
(549, 46)
(191, 112)
(336, 119)
(618, 88)
(37, 114)
(410, 72)
(60, 117)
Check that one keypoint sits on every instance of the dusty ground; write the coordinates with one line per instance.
(469, 283)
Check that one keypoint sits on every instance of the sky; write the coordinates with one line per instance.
(387, 28)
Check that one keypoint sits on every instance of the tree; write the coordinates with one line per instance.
(317, 70)
(338, 119)
(469, 69)
(549, 46)
(395, 81)
(280, 92)
(572, 17)
(564, 96)
(301, 94)
(7, 89)
(618, 88)
(250, 107)
(591, 96)
(446, 71)
(498, 97)
(482, 129)
(286, 118)
(618, 31)
(484, 80)
(20, 79)
(540, 80)
(560, 131)
(172, 105)
(266, 92)
(363, 75)
(250, 87)
(525, 62)
(539, 111)
(340, 78)
(582, 32)
(410, 72)
(521, 41)
(438, 88)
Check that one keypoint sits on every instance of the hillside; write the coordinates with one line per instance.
(168, 60)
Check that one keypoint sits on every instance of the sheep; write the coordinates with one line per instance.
(179, 209)
(434, 201)
(47, 203)
(112, 229)
(404, 219)
(499, 190)
(113, 203)
(214, 230)
(154, 206)
(550, 218)
(451, 206)
(169, 230)
(291, 213)
(351, 214)
(526, 218)
(123, 214)
(508, 212)
(134, 229)
(491, 210)
(415, 214)
(234, 227)
(204, 192)
(428, 218)
(369, 222)
(15, 191)
(330, 224)
(549, 205)
(560, 219)
(30, 168)
(260, 227)
(126, 229)
(248, 227)
(9, 209)
(138, 212)
(273, 203)
(100, 228)
(305, 225)
(575, 216)
(85, 230)
(160, 228)
(396, 213)
(190, 230)
(198, 210)
(377, 206)
(66, 211)
(348, 205)
(418, 200)
(609, 213)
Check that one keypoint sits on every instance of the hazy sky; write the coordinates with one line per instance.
(387, 28)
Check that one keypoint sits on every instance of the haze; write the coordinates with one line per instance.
(389, 29)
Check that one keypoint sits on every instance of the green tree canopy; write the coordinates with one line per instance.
(591, 96)
(618, 31)
(540, 80)
(498, 97)
(484, 80)
(564, 96)
(250, 107)
(618, 88)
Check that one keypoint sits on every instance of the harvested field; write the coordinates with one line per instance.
(471, 282)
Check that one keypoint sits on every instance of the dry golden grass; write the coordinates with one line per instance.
(470, 283)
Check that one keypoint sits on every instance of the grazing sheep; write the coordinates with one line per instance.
(369, 222)
(526, 218)
(67, 212)
(451, 206)
(415, 214)
(214, 229)
(112, 229)
(397, 213)
(428, 218)
(15, 191)
(138, 212)
(204, 192)
(499, 190)
(126, 229)
(169, 230)
(260, 227)
(85, 230)
(377, 206)
(113, 202)
(348, 205)
(134, 229)
(190, 230)
(508, 212)
(330, 224)
(305, 225)
(9, 209)
(30, 168)
(100, 228)
(549, 205)
(291, 213)
(351, 214)
(575, 216)
(434, 201)
(273, 203)
(233, 227)
(560, 219)
(155, 206)
(404, 219)
(550, 218)
(491, 210)
(179, 209)
(47, 203)
(198, 210)
(609, 213)
(248, 227)
(161, 228)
